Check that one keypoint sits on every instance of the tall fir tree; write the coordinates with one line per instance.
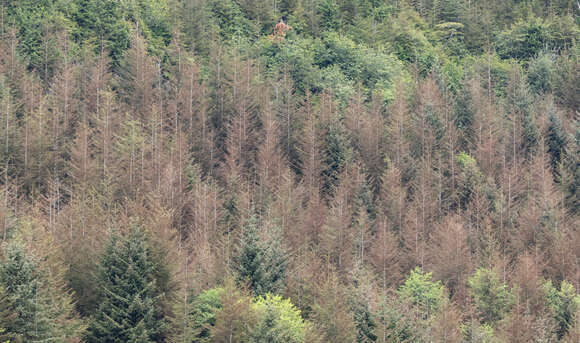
(131, 300)
(34, 305)
(261, 263)
(556, 139)
(22, 284)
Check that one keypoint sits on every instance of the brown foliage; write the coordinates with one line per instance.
(449, 255)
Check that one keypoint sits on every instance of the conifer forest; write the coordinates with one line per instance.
(290, 171)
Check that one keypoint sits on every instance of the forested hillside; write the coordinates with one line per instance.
(285, 171)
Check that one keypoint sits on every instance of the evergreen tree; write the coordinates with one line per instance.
(397, 323)
(34, 306)
(287, 7)
(524, 39)
(364, 322)
(35, 19)
(130, 299)
(450, 10)
(564, 304)
(22, 283)
(337, 154)
(530, 135)
(520, 102)
(449, 100)
(492, 297)
(102, 24)
(465, 116)
(203, 314)
(261, 261)
(556, 139)
(328, 12)
(541, 74)
(470, 179)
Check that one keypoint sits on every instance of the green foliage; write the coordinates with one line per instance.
(564, 304)
(336, 154)
(409, 40)
(270, 318)
(397, 325)
(470, 178)
(196, 27)
(564, 32)
(34, 308)
(332, 78)
(527, 38)
(450, 10)
(464, 116)
(287, 7)
(101, 25)
(3, 336)
(556, 138)
(203, 314)
(35, 20)
(420, 290)
(491, 71)
(278, 321)
(130, 298)
(333, 62)
(453, 74)
(261, 261)
(328, 12)
(294, 57)
(22, 283)
(466, 161)
(492, 298)
(541, 74)
(152, 19)
(520, 102)
(524, 40)
(365, 323)
(530, 135)
(451, 35)
(358, 63)
(229, 19)
(167, 97)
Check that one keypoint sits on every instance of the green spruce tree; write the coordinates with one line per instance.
(34, 305)
(130, 299)
(564, 303)
(22, 283)
(465, 117)
(493, 299)
(556, 139)
(261, 260)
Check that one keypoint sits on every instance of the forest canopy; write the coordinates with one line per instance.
(289, 171)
